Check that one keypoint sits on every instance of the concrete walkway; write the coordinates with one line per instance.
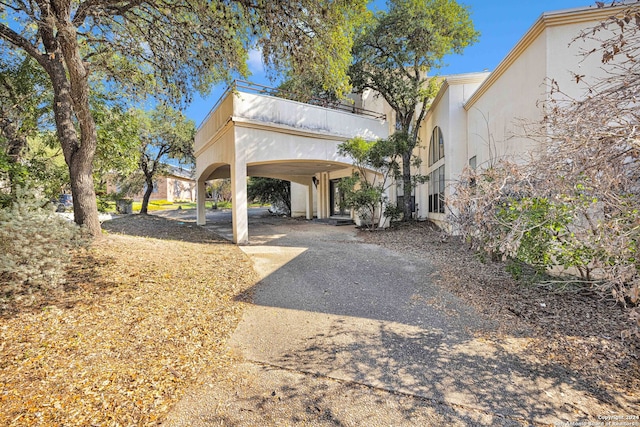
(331, 311)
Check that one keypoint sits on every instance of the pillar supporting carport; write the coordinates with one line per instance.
(239, 191)
(310, 198)
(259, 135)
(201, 198)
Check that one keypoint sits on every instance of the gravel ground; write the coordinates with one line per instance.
(580, 330)
(252, 394)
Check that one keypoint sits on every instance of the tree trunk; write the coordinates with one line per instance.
(147, 195)
(407, 186)
(78, 156)
(70, 80)
(16, 142)
(71, 98)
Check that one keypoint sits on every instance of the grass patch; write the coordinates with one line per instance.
(161, 205)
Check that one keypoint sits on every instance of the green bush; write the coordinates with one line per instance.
(36, 247)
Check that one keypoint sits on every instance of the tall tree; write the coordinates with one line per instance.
(29, 149)
(164, 134)
(394, 55)
(165, 47)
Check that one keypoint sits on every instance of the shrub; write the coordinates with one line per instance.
(36, 247)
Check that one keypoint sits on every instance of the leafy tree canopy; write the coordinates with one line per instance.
(117, 150)
(394, 54)
(270, 190)
(164, 134)
(164, 48)
(376, 166)
(25, 102)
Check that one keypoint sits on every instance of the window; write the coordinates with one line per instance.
(472, 165)
(436, 146)
(436, 177)
(472, 162)
(436, 190)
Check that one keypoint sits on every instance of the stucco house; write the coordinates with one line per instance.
(177, 184)
(477, 118)
(474, 118)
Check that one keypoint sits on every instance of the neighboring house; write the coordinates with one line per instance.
(474, 119)
(175, 185)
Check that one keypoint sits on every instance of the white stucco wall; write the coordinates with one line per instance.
(449, 114)
(493, 126)
(257, 134)
(299, 200)
(264, 129)
(565, 58)
(513, 96)
(305, 117)
(268, 145)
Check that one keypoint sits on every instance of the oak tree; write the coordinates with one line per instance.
(167, 48)
(276, 192)
(164, 134)
(394, 54)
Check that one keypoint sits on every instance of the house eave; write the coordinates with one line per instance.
(546, 20)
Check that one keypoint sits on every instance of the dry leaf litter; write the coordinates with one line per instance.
(580, 330)
(146, 313)
(140, 320)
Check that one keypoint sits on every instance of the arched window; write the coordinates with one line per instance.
(436, 177)
(436, 146)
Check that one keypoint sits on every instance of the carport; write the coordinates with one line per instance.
(256, 134)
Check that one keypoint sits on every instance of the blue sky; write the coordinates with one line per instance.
(501, 24)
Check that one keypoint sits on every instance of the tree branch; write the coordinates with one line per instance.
(18, 41)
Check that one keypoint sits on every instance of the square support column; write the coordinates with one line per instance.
(201, 197)
(310, 199)
(326, 197)
(239, 203)
(321, 201)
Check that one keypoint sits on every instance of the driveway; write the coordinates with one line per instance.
(341, 332)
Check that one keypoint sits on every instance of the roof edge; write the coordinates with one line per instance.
(456, 79)
(546, 20)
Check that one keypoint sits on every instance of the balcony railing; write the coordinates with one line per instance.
(249, 87)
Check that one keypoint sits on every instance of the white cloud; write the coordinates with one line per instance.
(255, 62)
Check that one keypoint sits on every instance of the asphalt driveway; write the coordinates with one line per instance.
(345, 333)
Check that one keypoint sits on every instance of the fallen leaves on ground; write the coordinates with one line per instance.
(580, 331)
(140, 321)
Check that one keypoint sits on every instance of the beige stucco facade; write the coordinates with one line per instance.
(488, 116)
(448, 114)
(475, 119)
(169, 187)
(258, 135)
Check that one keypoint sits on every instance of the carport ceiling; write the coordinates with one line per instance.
(281, 169)
(292, 168)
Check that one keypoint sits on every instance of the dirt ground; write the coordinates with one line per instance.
(148, 309)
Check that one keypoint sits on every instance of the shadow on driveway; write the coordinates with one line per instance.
(331, 305)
